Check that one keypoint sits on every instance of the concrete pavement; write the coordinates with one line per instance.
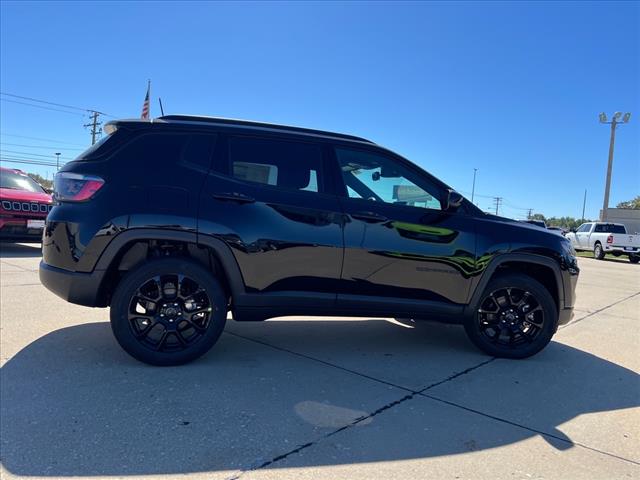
(319, 398)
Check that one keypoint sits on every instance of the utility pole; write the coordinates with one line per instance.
(529, 212)
(473, 189)
(57, 161)
(614, 122)
(496, 201)
(584, 203)
(95, 126)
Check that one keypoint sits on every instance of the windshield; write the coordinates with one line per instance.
(19, 181)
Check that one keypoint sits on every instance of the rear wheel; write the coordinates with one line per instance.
(168, 312)
(598, 252)
(634, 258)
(516, 317)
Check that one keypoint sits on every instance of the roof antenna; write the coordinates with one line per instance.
(161, 109)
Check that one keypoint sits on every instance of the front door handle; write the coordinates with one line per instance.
(233, 197)
(369, 217)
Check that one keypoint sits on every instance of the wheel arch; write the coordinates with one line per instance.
(128, 249)
(544, 269)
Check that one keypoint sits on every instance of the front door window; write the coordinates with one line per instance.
(380, 179)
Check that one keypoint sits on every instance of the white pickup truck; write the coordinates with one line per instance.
(602, 238)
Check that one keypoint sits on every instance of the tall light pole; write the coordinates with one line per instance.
(58, 160)
(614, 121)
(473, 189)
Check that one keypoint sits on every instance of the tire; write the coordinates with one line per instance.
(169, 311)
(598, 252)
(535, 322)
(634, 258)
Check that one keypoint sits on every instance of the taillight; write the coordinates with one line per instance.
(75, 187)
(610, 239)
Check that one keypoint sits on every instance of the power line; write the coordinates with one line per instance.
(42, 139)
(42, 107)
(513, 206)
(20, 157)
(27, 162)
(29, 154)
(40, 146)
(476, 194)
(54, 103)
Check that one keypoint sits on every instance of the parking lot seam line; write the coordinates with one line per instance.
(411, 394)
(21, 284)
(323, 362)
(17, 266)
(578, 320)
(540, 432)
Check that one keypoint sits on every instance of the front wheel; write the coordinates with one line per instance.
(169, 311)
(634, 258)
(598, 252)
(516, 317)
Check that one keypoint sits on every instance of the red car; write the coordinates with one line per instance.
(24, 206)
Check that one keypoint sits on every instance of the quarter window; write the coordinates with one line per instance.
(166, 149)
(380, 179)
(283, 164)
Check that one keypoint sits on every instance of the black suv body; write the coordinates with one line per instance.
(175, 222)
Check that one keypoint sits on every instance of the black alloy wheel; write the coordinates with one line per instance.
(168, 311)
(515, 317)
(510, 317)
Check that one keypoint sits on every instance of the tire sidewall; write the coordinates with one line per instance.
(598, 252)
(134, 279)
(546, 302)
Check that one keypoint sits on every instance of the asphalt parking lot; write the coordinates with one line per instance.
(319, 398)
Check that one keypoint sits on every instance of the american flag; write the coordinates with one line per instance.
(145, 106)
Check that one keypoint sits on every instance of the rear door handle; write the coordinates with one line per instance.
(369, 217)
(233, 197)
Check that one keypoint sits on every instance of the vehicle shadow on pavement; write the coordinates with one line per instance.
(74, 404)
(20, 250)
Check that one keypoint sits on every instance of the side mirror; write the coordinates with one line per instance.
(454, 200)
(572, 230)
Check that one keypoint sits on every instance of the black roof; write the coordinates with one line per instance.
(262, 125)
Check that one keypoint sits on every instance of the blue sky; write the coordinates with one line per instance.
(513, 89)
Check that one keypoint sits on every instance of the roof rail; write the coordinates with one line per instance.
(249, 123)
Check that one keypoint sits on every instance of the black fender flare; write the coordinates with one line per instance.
(220, 249)
(501, 259)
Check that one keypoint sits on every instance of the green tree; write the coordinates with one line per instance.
(566, 222)
(630, 204)
(48, 184)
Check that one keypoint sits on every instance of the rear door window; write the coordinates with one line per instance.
(277, 163)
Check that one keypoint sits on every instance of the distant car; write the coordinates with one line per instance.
(539, 223)
(559, 230)
(24, 205)
(602, 238)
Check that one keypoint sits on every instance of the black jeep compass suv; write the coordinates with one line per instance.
(176, 221)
